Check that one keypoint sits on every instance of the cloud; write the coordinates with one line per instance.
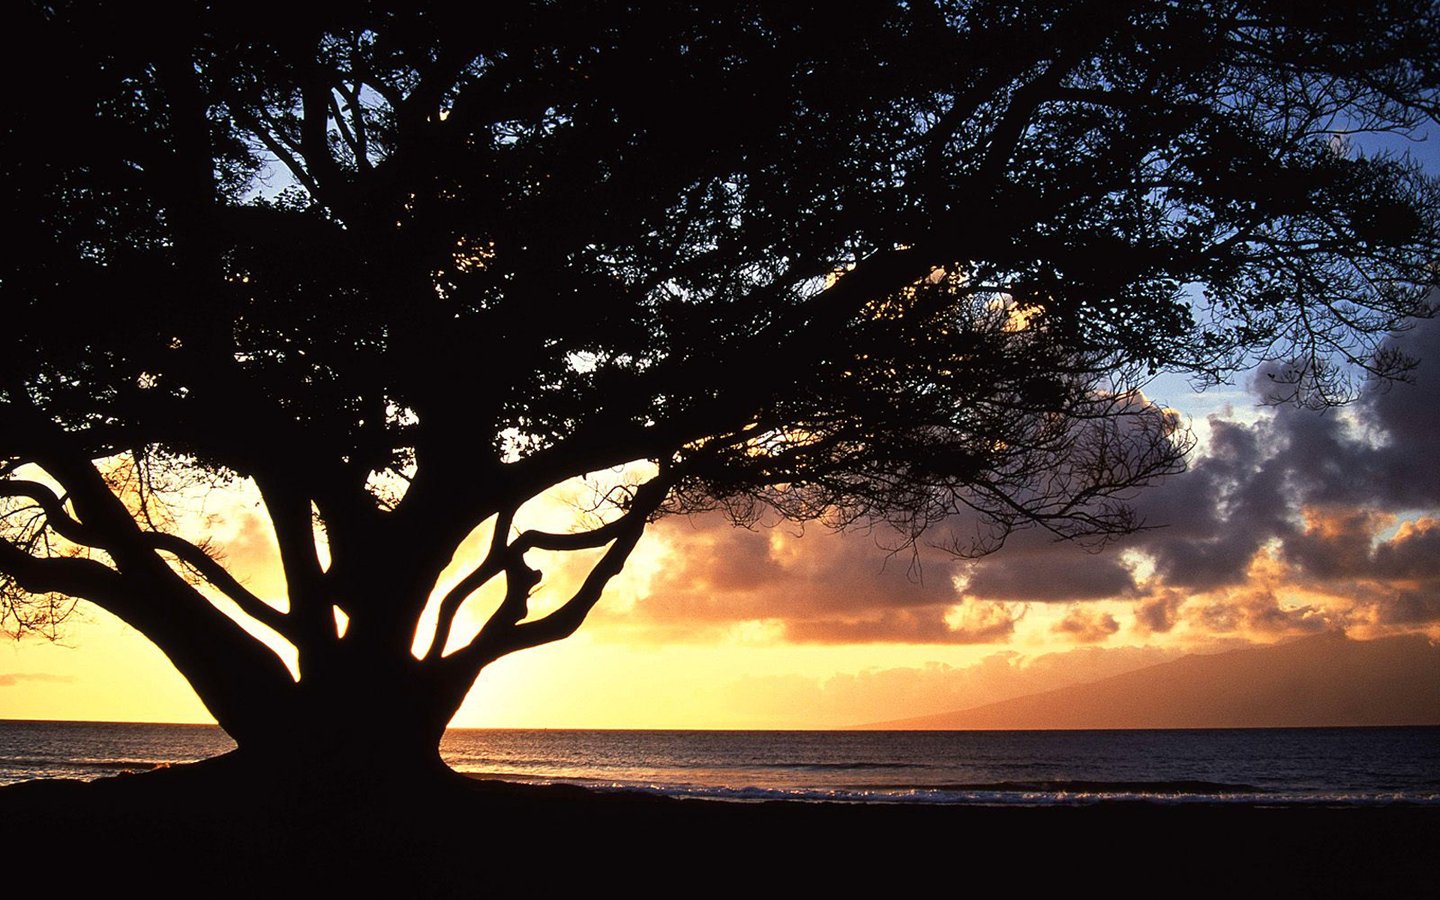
(245, 545)
(1159, 613)
(1260, 611)
(825, 584)
(1407, 607)
(1337, 510)
(975, 622)
(1086, 626)
(1033, 567)
(1291, 521)
(818, 587)
(11, 679)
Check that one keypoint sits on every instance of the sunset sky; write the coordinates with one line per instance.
(1289, 522)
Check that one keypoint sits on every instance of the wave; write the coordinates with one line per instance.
(483, 763)
(827, 766)
(82, 763)
(1086, 787)
(1059, 793)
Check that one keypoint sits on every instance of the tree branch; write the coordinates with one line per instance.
(350, 140)
(218, 576)
(280, 150)
(72, 576)
(299, 557)
(328, 177)
(1008, 132)
(505, 632)
(53, 507)
(564, 621)
(493, 564)
(226, 666)
(580, 540)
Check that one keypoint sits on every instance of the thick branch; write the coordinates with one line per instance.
(564, 621)
(238, 678)
(68, 528)
(277, 148)
(520, 580)
(492, 565)
(520, 577)
(505, 633)
(105, 522)
(54, 508)
(329, 178)
(344, 129)
(217, 575)
(71, 576)
(1009, 131)
(580, 540)
(299, 558)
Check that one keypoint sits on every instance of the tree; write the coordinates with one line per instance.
(400, 275)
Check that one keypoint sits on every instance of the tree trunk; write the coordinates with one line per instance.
(348, 747)
(360, 728)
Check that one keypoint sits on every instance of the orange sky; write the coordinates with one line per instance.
(1288, 523)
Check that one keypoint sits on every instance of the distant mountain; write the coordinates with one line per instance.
(1323, 680)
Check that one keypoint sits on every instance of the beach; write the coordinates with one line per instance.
(1267, 812)
(181, 830)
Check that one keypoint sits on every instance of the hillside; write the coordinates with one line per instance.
(1323, 680)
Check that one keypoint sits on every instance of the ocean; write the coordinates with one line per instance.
(1327, 766)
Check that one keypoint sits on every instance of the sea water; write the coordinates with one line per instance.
(1344, 766)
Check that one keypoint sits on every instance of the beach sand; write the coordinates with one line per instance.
(476, 838)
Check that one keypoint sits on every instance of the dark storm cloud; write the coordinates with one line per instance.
(1344, 503)
(1352, 544)
(1391, 462)
(1032, 567)
(1408, 607)
(1406, 467)
(1208, 524)
(1344, 500)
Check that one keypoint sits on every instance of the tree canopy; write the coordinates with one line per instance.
(403, 275)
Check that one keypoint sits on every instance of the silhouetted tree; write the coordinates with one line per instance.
(401, 273)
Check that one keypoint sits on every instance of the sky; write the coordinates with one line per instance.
(1289, 522)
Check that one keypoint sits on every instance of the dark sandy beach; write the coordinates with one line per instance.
(173, 835)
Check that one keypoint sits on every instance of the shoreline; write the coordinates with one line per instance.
(990, 795)
(139, 828)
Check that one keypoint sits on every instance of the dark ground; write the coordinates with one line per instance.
(187, 833)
